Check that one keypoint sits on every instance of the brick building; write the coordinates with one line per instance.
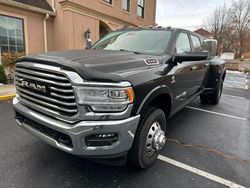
(35, 26)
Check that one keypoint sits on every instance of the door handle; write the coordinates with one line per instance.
(193, 68)
(206, 64)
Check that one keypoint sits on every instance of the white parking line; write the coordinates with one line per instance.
(238, 80)
(216, 113)
(235, 85)
(200, 172)
(232, 96)
(235, 82)
(232, 88)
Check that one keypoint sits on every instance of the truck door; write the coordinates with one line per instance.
(182, 78)
(198, 68)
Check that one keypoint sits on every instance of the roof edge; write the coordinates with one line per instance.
(27, 7)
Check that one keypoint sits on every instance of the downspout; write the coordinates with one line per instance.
(45, 32)
(45, 26)
(53, 5)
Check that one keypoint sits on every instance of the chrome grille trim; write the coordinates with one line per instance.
(42, 74)
(42, 80)
(61, 96)
(60, 93)
(45, 98)
(45, 104)
(61, 90)
(41, 108)
(74, 77)
(59, 100)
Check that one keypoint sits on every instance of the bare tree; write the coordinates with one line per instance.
(219, 25)
(239, 15)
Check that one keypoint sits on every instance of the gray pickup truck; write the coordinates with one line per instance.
(111, 102)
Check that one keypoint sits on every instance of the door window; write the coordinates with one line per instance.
(196, 43)
(183, 43)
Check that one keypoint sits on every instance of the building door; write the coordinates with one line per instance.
(104, 29)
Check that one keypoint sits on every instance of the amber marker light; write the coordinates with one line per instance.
(130, 93)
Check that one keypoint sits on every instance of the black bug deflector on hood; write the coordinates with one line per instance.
(96, 65)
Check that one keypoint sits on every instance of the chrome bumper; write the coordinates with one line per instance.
(125, 129)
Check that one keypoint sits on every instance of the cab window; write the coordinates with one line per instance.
(183, 43)
(196, 43)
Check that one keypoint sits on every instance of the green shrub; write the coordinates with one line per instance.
(3, 78)
(8, 63)
(9, 59)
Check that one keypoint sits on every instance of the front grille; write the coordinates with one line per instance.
(59, 96)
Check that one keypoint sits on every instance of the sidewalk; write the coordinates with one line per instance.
(245, 66)
(7, 92)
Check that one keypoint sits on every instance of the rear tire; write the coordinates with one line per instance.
(142, 154)
(204, 99)
(213, 98)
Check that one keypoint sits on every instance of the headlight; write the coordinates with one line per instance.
(105, 98)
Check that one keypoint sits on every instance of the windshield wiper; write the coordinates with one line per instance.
(135, 52)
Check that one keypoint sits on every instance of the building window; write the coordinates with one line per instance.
(11, 34)
(108, 1)
(126, 5)
(140, 8)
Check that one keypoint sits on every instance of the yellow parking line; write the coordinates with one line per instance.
(7, 97)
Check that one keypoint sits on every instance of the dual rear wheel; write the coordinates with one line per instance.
(213, 98)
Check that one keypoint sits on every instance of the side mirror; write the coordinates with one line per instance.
(190, 56)
(210, 45)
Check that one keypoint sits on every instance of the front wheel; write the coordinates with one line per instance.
(150, 138)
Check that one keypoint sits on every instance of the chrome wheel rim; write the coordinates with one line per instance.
(155, 140)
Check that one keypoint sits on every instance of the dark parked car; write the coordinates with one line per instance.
(113, 100)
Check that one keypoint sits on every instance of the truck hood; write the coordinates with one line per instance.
(97, 65)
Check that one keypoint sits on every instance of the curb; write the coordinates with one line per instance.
(7, 97)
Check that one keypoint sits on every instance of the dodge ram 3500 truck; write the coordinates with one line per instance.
(111, 102)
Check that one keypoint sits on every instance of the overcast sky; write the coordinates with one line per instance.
(187, 14)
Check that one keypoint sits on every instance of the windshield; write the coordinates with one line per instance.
(151, 42)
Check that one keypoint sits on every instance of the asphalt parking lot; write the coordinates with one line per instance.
(208, 146)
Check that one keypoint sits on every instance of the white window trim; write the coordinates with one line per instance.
(25, 27)
(126, 11)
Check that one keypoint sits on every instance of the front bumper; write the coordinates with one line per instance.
(77, 132)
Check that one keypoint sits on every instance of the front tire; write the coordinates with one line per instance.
(149, 139)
